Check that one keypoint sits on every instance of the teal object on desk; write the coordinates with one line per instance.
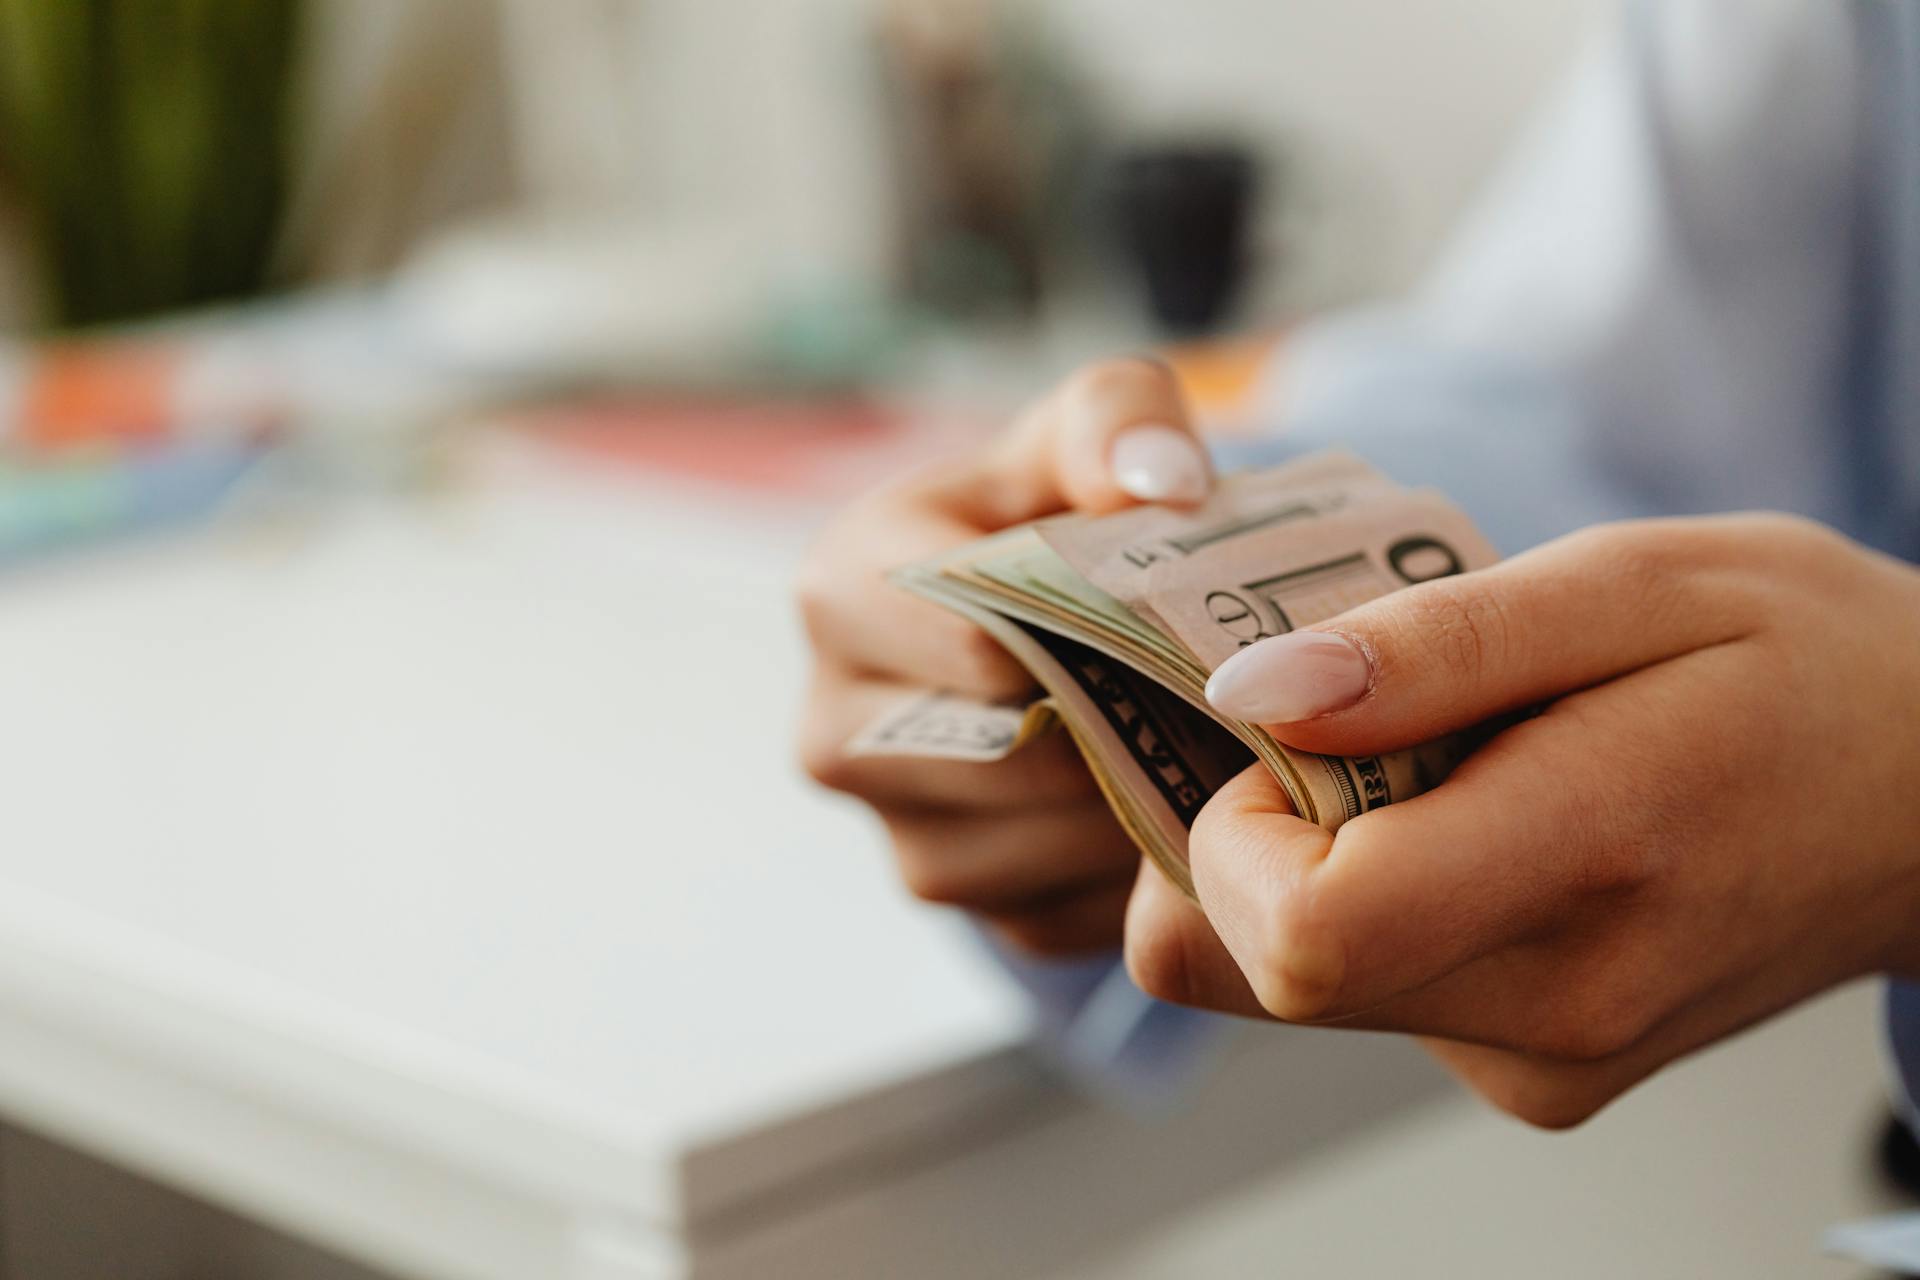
(47, 503)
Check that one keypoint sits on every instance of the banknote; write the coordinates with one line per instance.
(934, 724)
(1121, 618)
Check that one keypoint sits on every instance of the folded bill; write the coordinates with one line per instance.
(1121, 618)
(934, 724)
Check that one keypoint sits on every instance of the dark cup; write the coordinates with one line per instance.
(1182, 213)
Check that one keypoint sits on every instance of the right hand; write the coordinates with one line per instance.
(1026, 843)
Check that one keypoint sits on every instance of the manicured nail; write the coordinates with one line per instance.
(1160, 464)
(1296, 676)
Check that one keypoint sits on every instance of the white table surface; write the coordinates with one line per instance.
(468, 827)
(430, 880)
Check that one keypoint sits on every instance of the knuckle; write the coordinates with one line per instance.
(1618, 827)
(1463, 627)
(1656, 553)
(821, 589)
(1157, 961)
(1292, 986)
(1553, 1105)
(822, 755)
(1787, 532)
(1650, 558)
(1544, 1096)
(1292, 973)
(1609, 870)
(813, 589)
(1641, 547)
(932, 879)
(842, 561)
(1817, 559)
(1620, 863)
(1613, 851)
(1657, 564)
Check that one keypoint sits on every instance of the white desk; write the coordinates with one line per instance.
(432, 882)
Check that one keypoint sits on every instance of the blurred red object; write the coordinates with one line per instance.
(799, 447)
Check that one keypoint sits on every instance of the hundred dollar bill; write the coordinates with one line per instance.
(1121, 618)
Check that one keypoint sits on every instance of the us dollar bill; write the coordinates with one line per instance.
(1121, 618)
(935, 724)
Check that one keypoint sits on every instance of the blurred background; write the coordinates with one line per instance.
(411, 413)
(270, 223)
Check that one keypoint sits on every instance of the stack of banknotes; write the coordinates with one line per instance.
(1122, 617)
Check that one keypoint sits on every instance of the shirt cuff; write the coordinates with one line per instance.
(1901, 1028)
(1106, 1034)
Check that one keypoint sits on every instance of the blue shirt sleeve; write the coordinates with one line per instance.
(1102, 1030)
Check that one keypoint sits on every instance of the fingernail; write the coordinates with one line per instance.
(1296, 676)
(1160, 464)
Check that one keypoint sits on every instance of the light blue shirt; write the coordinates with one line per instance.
(1694, 287)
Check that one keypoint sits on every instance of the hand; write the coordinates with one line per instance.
(1715, 815)
(1027, 843)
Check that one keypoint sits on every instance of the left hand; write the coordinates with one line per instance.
(1716, 815)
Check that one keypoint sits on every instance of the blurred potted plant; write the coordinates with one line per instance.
(145, 143)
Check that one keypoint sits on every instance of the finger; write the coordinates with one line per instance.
(1524, 835)
(996, 863)
(1045, 772)
(860, 622)
(1089, 919)
(1173, 954)
(1453, 652)
(1113, 435)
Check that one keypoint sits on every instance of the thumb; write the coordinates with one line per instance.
(1451, 653)
(1113, 435)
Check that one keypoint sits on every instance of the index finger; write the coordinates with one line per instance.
(861, 622)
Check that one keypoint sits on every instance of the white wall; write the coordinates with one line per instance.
(1386, 115)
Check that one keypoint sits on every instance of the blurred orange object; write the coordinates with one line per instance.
(1222, 375)
(91, 392)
